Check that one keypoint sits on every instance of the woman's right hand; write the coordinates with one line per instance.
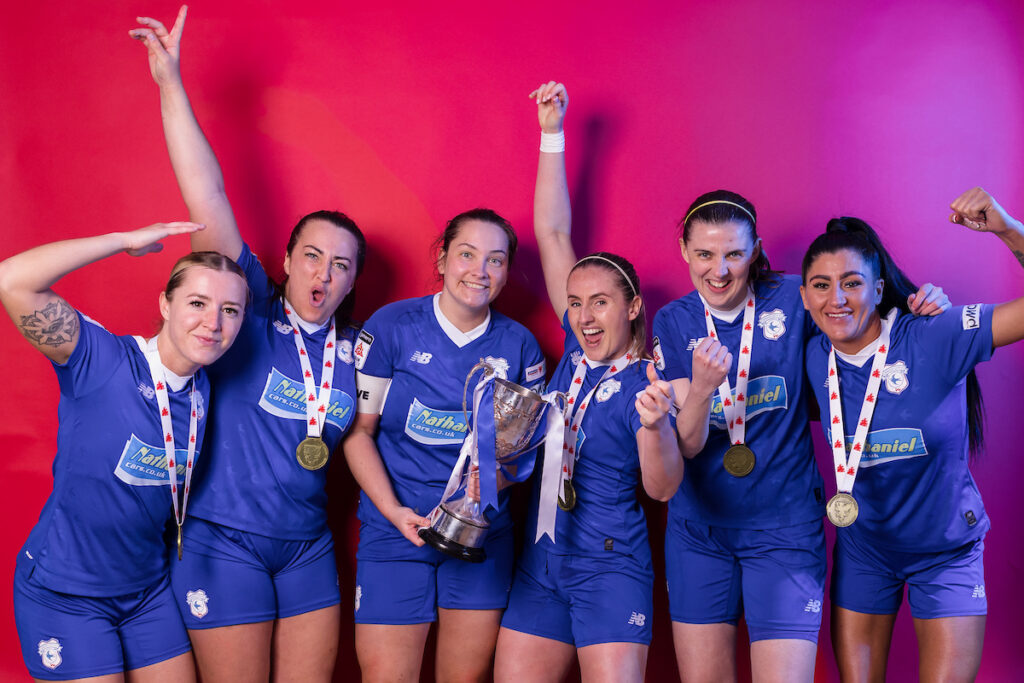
(147, 240)
(552, 101)
(163, 46)
(408, 522)
(711, 364)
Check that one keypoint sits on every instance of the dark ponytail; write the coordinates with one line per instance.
(853, 234)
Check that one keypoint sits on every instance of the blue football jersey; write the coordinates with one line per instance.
(101, 532)
(422, 424)
(914, 489)
(785, 487)
(607, 515)
(252, 480)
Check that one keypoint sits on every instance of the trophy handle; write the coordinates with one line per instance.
(488, 370)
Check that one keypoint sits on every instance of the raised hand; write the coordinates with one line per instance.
(711, 364)
(164, 46)
(929, 300)
(655, 402)
(552, 101)
(977, 210)
(147, 240)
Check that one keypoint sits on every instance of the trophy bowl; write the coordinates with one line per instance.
(459, 526)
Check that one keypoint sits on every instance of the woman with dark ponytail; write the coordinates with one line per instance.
(901, 416)
(744, 532)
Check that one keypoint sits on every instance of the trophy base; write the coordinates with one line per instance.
(450, 547)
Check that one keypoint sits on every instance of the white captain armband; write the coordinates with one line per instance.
(371, 392)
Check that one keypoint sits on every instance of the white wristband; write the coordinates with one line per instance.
(552, 143)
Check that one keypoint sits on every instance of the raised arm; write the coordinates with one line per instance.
(44, 317)
(195, 165)
(711, 364)
(977, 210)
(552, 214)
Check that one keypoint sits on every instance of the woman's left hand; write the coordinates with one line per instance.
(656, 400)
(929, 300)
(552, 101)
(147, 240)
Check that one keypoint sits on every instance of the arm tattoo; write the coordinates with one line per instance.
(55, 325)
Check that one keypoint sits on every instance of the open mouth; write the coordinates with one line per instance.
(718, 286)
(474, 285)
(317, 296)
(592, 336)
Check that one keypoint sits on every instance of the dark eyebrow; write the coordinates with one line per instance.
(852, 272)
(473, 246)
(321, 251)
(196, 295)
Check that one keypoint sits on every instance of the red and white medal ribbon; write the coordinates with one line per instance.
(316, 401)
(557, 470)
(847, 465)
(156, 370)
(735, 408)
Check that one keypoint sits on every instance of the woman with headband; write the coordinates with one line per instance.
(259, 593)
(744, 532)
(91, 594)
(584, 584)
(902, 413)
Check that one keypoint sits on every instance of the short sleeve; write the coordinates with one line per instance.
(961, 337)
(673, 360)
(533, 364)
(260, 284)
(375, 347)
(97, 355)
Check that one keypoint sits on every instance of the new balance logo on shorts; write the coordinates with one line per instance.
(813, 606)
(979, 591)
(636, 619)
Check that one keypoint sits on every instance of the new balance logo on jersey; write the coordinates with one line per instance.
(281, 327)
(979, 591)
(693, 343)
(421, 357)
(813, 606)
(146, 390)
(636, 619)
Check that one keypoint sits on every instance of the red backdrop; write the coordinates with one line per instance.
(403, 115)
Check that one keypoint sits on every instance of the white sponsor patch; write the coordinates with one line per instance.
(198, 603)
(772, 324)
(535, 372)
(971, 317)
(362, 348)
(359, 596)
(659, 359)
(49, 652)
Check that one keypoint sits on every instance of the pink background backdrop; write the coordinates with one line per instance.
(403, 115)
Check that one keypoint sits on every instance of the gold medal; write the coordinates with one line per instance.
(567, 501)
(312, 453)
(842, 509)
(739, 460)
(179, 543)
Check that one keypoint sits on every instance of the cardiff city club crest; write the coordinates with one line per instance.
(608, 389)
(772, 324)
(197, 601)
(895, 377)
(49, 651)
(345, 351)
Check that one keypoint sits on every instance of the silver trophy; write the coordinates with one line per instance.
(458, 526)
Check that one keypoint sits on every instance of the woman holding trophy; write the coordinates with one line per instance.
(412, 360)
(586, 589)
(901, 417)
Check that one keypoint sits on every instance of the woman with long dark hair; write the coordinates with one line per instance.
(902, 413)
(260, 592)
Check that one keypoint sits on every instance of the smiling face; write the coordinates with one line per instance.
(842, 293)
(201, 319)
(719, 256)
(321, 270)
(474, 269)
(599, 314)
